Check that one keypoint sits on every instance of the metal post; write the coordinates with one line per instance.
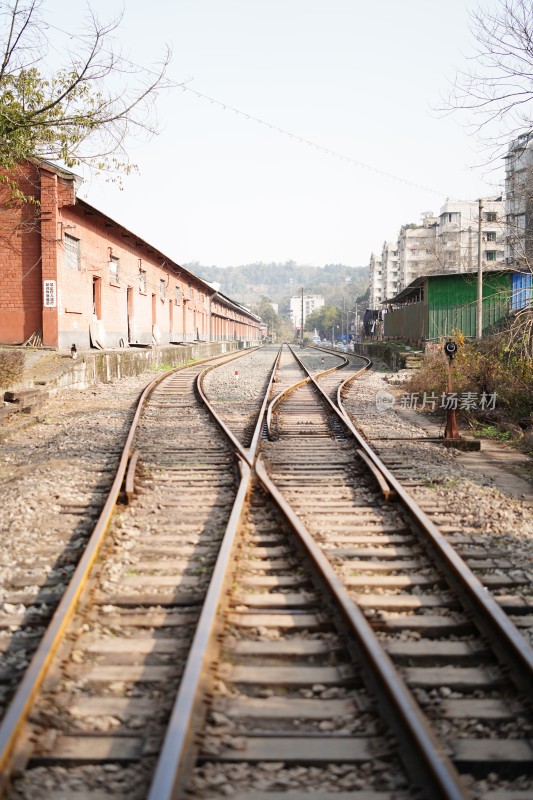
(302, 325)
(479, 304)
(451, 431)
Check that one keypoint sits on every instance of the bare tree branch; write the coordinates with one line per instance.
(498, 87)
(83, 113)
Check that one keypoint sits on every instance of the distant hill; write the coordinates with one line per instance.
(248, 283)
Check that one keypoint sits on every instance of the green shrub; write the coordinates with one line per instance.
(479, 367)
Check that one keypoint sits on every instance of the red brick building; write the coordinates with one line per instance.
(68, 270)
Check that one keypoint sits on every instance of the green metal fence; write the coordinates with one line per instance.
(452, 303)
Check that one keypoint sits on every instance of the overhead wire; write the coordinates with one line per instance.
(315, 145)
(282, 131)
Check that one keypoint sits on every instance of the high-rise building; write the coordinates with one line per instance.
(390, 269)
(310, 303)
(416, 249)
(519, 202)
(376, 282)
(458, 235)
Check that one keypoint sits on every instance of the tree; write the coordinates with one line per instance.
(499, 87)
(271, 318)
(498, 93)
(323, 319)
(81, 113)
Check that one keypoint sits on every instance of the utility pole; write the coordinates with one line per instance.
(479, 304)
(302, 325)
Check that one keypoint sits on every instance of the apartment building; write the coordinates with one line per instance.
(416, 250)
(390, 269)
(519, 202)
(458, 235)
(376, 282)
(447, 243)
(310, 304)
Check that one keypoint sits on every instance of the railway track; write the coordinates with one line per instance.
(103, 697)
(310, 663)
(429, 622)
(428, 644)
(491, 551)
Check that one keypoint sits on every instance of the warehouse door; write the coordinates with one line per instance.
(97, 297)
(131, 333)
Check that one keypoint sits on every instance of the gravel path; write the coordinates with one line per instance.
(49, 474)
(236, 390)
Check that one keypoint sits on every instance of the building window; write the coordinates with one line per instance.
(491, 236)
(72, 252)
(177, 296)
(191, 292)
(114, 265)
(142, 281)
(490, 216)
(162, 288)
(490, 255)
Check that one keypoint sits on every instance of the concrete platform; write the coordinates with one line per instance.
(55, 369)
(46, 373)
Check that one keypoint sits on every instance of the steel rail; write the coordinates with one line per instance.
(252, 450)
(506, 640)
(187, 713)
(423, 755)
(246, 453)
(177, 754)
(273, 403)
(276, 400)
(220, 422)
(19, 707)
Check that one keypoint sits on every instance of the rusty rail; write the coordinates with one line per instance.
(510, 646)
(35, 674)
(428, 762)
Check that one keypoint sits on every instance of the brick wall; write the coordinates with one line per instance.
(141, 276)
(149, 297)
(20, 260)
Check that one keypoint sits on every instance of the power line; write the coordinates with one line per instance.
(328, 151)
(282, 131)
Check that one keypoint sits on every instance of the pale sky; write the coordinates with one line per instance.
(358, 77)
